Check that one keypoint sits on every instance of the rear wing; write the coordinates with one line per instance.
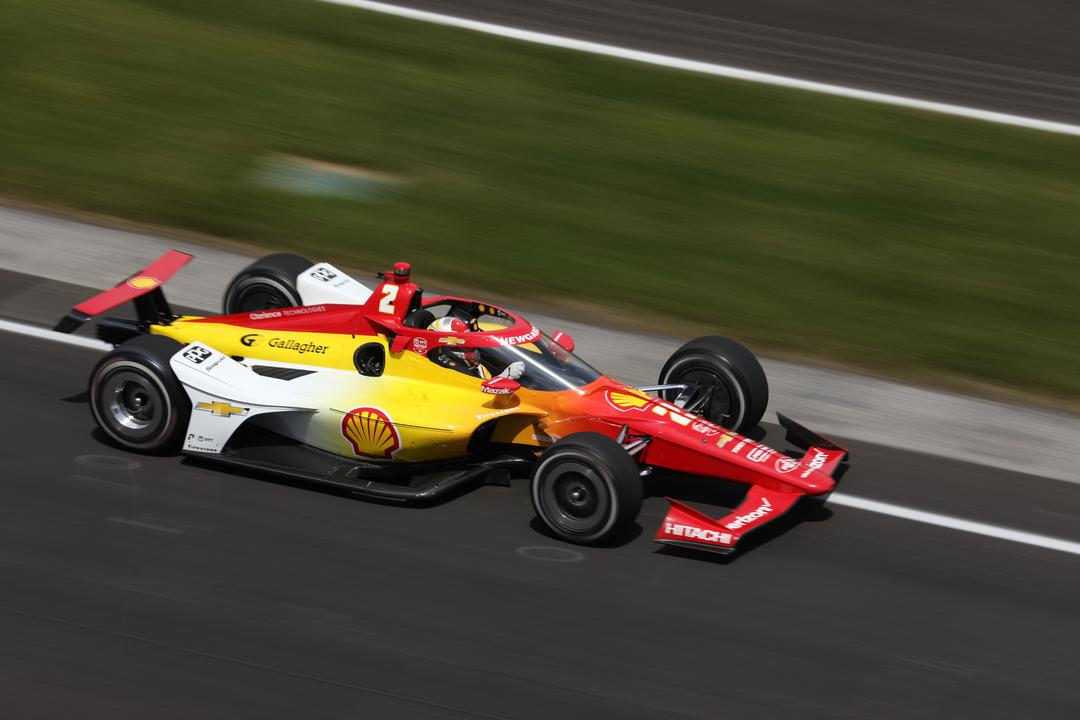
(144, 287)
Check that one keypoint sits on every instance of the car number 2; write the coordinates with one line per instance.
(386, 305)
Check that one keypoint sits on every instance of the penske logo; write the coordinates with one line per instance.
(221, 409)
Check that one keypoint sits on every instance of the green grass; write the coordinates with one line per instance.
(902, 242)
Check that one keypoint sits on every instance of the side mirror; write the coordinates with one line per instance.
(500, 386)
(563, 340)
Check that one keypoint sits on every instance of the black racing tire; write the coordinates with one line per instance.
(137, 400)
(586, 488)
(738, 391)
(266, 284)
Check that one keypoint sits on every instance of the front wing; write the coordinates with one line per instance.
(684, 526)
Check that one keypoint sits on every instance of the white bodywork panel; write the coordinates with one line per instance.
(324, 283)
(224, 394)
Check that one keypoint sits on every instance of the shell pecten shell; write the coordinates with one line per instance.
(371, 433)
(628, 400)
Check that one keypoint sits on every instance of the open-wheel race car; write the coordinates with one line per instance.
(389, 394)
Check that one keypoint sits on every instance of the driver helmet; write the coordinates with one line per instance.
(457, 326)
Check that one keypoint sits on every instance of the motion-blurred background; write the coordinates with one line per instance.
(931, 248)
(634, 205)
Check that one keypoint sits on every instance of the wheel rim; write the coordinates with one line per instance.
(132, 405)
(574, 497)
(711, 394)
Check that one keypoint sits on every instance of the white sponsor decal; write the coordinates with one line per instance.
(759, 454)
(201, 443)
(496, 413)
(674, 412)
(705, 428)
(287, 312)
(197, 354)
(696, 533)
(742, 520)
(528, 337)
(785, 464)
(815, 463)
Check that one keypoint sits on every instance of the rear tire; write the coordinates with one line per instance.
(586, 488)
(136, 399)
(266, 284)
(728, 373)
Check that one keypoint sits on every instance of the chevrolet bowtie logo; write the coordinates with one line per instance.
(222, 409)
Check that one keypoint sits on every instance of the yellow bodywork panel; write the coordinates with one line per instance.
(416, 410)
(303, 348)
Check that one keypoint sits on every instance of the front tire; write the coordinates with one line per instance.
(726, 383)
(586, 488)
(136, 399)
(266, 284)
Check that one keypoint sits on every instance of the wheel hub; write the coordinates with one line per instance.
(129, 403)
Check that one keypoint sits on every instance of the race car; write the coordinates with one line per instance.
(389, 394)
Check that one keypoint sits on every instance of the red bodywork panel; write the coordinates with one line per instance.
(137, 285)
(687, 443)
(690, 444)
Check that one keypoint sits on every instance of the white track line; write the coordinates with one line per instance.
(899, 511)
(946, 521)
(709, 68)
(46, 334)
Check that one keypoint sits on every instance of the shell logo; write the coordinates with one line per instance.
(143, 282)
(371, 433)
(628, 401)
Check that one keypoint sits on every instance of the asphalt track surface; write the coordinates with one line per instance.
(136, 586)
(1001, 55)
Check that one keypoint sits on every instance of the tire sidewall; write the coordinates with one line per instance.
(244, 283)
(279, 272)
(623, 503)
(167, 389)
(740, 369)
(714, 363)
